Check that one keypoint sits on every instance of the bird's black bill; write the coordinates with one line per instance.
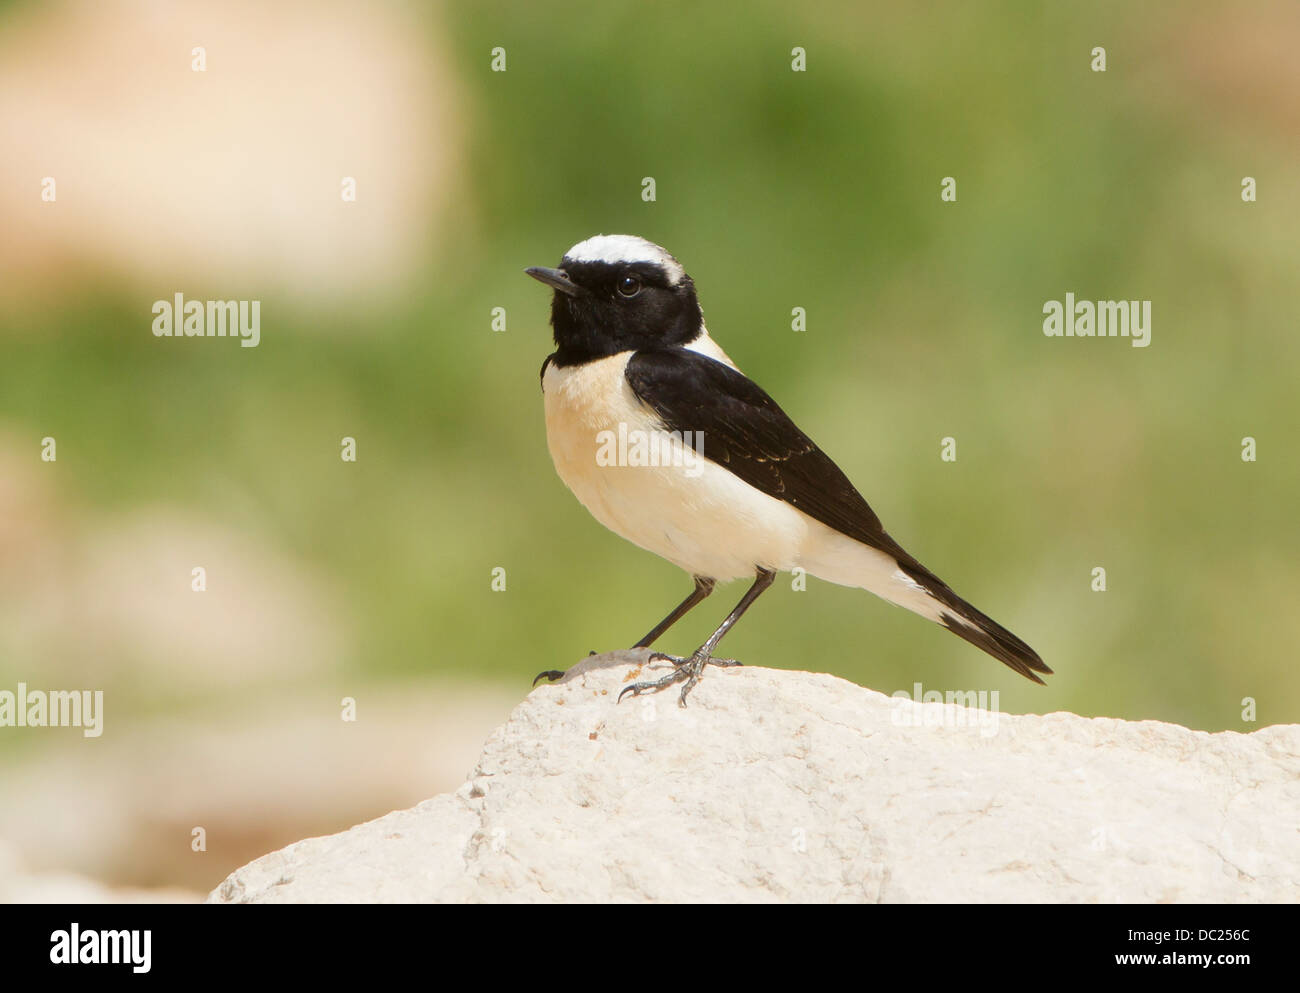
(555, 278)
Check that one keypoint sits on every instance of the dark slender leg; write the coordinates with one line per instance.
(703, 587)
(690, 669)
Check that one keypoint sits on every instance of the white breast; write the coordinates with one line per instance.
(686, 509)
(697, 515)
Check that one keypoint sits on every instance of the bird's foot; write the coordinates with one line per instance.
(553, 674)
(688, 670)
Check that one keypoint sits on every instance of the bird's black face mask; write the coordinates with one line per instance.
(602, 308)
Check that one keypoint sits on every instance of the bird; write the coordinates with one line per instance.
(711, 474)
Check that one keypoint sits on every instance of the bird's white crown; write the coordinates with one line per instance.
(616, 248)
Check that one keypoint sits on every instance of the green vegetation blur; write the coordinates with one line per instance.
(780, 189)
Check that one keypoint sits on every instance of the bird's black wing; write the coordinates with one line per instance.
(743, 430)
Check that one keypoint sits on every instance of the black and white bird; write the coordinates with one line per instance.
(633, 359)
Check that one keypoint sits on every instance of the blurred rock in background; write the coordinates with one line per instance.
(232, 175)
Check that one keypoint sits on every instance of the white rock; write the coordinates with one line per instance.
(777, 786)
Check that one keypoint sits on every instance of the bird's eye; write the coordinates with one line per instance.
(629, 286)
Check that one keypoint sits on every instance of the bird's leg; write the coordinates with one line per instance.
(703, 587)
(690, 669)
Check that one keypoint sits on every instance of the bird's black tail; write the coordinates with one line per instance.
(978, 628)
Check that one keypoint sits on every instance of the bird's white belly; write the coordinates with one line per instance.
(684, 508)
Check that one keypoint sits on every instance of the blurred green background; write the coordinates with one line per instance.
(775, 189)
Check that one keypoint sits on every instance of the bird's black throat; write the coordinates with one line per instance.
(597, 322)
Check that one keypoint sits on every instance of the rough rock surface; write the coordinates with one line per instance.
(777, 785)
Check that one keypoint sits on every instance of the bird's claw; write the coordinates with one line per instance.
(553, 674)
(688, 669)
